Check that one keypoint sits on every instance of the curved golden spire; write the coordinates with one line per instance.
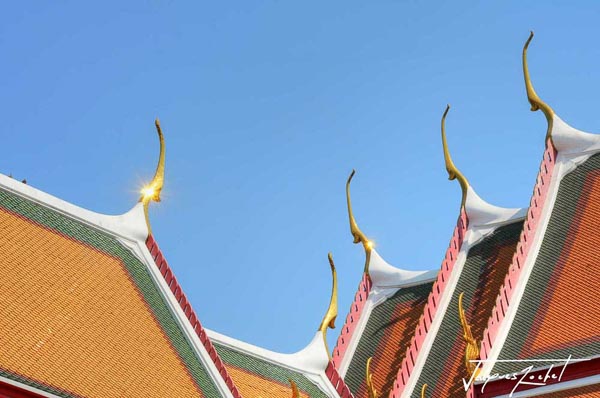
(453, 172)
(332, 312)
(295, 392)
(423, 390)
(357, 234)
(472, 350)
(151, 191)
(534, 100)
(371, 391)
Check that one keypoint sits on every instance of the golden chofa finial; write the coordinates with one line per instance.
(329, 318)
(371, 391)
(453, 172)
(295, 392)
(151, 191)
(357, 234)
(423, 390)
(472, 350)
(534, 100)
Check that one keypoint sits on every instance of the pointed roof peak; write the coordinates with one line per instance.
(130, 224)
(384, 275)
(569, 140)
(566, 139)
(312, 358)
(482, 213)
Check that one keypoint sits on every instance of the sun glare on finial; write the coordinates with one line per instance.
(148, 192)
(151, 192)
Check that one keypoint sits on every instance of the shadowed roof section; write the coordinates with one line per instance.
(386, 309)
(475, 263)
(386, 337)
(547, 307)
(558, 314)
(480, 279)
(85, 314)
(431, 307)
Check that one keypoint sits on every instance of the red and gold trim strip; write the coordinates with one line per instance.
(360, 299)
(430, 309)
(536, 206)
(189, 312)
(337, 381)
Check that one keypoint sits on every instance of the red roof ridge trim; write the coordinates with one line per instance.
(360, 299)
(522, 250)
(337, 381)
(169, 277)
(430, 309)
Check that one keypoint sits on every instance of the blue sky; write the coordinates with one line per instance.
(266, 108)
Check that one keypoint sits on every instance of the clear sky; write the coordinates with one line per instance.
(266, 108)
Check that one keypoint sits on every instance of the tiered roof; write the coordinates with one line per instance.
(94, 310)
(89, 306)
(515, 284)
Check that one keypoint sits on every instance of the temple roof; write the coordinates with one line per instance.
(546, 308)
(549, 312)
(89, 312)
(90, 307)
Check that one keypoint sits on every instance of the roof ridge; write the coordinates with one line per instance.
(570, 141)
(284, 359)
(566, 147)
(484, 214)
(382, 283)
(532, 221)
(130, 225)
(430, 308)
(190, 314)
(356, 309)
(467, 234)
(382, 272)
